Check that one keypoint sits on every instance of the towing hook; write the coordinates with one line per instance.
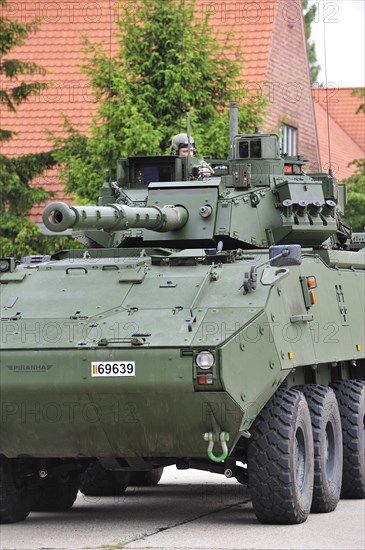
(223, 438)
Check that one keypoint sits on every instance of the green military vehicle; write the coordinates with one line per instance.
(212, 323)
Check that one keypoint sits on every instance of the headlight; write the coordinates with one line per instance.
(7, 264)
(204, 360)
(4, 266)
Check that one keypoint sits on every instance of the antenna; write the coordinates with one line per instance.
(110, 88)
(233, 123)
(327, 110)
(182, 60)
(189, 143)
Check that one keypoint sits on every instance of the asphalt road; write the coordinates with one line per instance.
(187, 510)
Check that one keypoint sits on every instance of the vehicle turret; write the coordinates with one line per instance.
(257, 199)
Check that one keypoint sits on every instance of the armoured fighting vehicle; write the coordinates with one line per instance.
(212, 323)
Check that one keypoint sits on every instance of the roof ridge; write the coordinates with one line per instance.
(322, 88)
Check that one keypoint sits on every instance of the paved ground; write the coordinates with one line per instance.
(187, 510)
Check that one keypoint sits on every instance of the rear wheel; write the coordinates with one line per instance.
(327, 438)
(96, 481)
(55, 493)
(14, 494)
(146, 479)
(280, 460)
(351, 401)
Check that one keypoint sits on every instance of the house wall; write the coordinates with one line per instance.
(287, 83)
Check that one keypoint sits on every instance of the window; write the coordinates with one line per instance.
(288, 140)
(255, 149)
(243, 150)
(250, 149)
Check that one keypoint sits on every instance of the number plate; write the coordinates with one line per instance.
(114, 368)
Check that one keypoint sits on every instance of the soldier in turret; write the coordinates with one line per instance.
(180, 147)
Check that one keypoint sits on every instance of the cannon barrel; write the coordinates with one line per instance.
(58, 216)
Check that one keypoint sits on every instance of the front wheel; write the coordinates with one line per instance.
(55, 493)
(14, 494)
(280, 460)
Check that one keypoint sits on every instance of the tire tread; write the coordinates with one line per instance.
(350, 397)
(269, 457)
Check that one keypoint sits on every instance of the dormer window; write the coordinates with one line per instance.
(288, 140)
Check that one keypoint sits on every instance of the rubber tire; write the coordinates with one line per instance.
(55, 493)
(282, 428)
(351, 401)
(14, 494)
(146, 479)
(327, 439)
(96, 481)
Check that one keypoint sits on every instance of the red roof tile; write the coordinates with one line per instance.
(57, 46)
(251, 25)
(342, 106)
(343, 149)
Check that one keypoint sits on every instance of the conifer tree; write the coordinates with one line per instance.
(169, 61)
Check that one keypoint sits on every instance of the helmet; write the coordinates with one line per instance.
(181, 140)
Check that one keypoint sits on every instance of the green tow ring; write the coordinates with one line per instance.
(223, 438)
